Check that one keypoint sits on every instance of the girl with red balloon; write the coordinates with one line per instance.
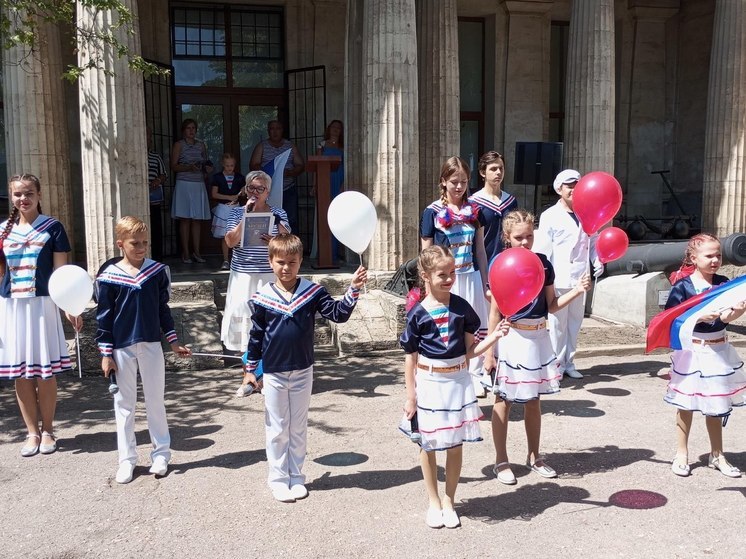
(439, 339)
(493, 201)
(527, 365)
(564, 238)
(453, 222)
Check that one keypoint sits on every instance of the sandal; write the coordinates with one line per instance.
(680, 468)
(48, 448)
(505, 476)
(540, 467)
(726, 468)
(30, 449)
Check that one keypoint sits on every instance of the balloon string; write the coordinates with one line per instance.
(365, 285)
(77, 346)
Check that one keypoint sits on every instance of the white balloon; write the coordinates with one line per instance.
(71, 288)
(353, 220)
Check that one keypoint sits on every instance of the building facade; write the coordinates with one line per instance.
(625, 86)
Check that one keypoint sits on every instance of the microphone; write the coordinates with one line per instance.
(415, 436)
(250, 204)
(113, 387)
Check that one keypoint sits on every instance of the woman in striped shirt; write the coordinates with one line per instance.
(250, 268)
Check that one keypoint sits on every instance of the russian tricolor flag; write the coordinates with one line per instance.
(276, 169)
(674, 327)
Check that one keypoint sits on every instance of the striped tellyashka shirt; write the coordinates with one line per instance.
(254, 260)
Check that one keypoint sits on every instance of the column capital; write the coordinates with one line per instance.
(653, 10)
(534, 7)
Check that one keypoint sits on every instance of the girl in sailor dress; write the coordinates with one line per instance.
(33, 348)
(527, 366)
(440, 336)
(710, 378)
(453, 222)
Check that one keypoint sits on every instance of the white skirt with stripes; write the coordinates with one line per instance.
(32, 342)
(709, 379)
(447, 411)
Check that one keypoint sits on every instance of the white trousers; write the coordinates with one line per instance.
(564, 328)
(287, 396)
(148, 358)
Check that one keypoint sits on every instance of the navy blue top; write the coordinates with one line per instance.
(133, 309)
(683, 290)
(538, 307)
(29, 253)
(421, 334)
(282, 331)
(491, 217)
(218, 179)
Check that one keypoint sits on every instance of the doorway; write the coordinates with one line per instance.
(227, 123)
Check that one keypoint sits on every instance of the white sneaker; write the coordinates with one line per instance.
(124, 473)
(572, 372)
(160, 466)
(299, 491)
(283, 494)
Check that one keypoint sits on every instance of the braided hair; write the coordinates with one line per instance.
(13, 216)
(687, 265)
(516, 217)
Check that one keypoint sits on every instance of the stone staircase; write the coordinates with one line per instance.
(197, 307)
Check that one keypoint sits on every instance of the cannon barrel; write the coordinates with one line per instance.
(666, 257)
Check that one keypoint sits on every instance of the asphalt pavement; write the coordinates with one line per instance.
(610, 437)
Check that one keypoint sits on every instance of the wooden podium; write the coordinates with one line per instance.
(323, 165)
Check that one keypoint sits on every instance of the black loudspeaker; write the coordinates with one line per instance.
(537, 163)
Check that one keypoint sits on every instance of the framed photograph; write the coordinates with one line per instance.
(254, 226)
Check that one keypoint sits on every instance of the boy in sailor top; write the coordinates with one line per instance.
(283, 316)
(132, 311)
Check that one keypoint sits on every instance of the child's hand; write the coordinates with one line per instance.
(250, 378)
(359, 278)
(76, 321)
(503, 327)
(410, 407)
(181, 350)
(584, 284)
(739, 306)
(108, 365)
(711, 317)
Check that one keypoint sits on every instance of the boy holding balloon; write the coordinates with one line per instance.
(133, 296)
(563, 240)
(283, 315)
(32, 343)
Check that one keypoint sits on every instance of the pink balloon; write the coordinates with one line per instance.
(516, 278)
(612, 243)
(596, 199)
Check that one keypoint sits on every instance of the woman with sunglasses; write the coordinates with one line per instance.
(250, 268)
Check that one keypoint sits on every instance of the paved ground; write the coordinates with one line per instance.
(609, 435)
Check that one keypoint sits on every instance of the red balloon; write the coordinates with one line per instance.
(596, 199)
(516, 278)
(612, 243)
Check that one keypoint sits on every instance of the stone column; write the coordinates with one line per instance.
(112, 133)
(590, 104)
(438, 69)
(35, 124)
(527, 88)
(723, 206)
(353, 93)
(390, 121)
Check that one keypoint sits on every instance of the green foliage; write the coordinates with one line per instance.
(19, 26)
